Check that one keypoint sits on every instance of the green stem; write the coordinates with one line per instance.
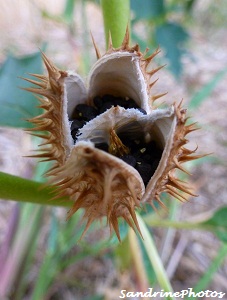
(116, 15)
(177, 225)
(138, 262)
(155, 258)
(24, 190)
(170, 232)
(85, 39)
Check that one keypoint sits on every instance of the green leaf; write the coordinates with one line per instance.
(206, 90)
(69, 10)
(171, 36)
(218, 223)
(18, 105)
(148, 9)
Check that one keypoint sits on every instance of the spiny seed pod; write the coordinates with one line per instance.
(112, 150)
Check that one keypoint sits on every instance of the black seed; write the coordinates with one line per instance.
(105, 106)
(142, 111)
(153, 150)
(137, 146)
(137, 142)
(120, 102)
(126, 141)
(85, 112)
(108, 98)
(151, 145)
(134, 144)
(136, 153)
(131, 104)
(75, 126)
(154, 165)
(148, 158)
(159, 153)
(145, 171)
(129, 159)
(115, 101)
(105, 102)
(139, 161)
(98, 101)
(142, 150)
(102, 146)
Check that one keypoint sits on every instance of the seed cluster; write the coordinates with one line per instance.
(84, 113)
(143, 156)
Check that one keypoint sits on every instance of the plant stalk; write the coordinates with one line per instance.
(116, 15)
(138, 263)
(155, 258)
(24, 190)
(173, 224)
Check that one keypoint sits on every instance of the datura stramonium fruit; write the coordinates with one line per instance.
(112, 150)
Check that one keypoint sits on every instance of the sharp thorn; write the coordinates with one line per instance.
(155, 97)
(150, 57)
(153, 83)
(152, 72)
(125, 42)
(98, 54)
(41, 84)
(110, 42)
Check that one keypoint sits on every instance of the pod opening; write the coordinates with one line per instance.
(119, 75)
(139, 151)
(138, 139)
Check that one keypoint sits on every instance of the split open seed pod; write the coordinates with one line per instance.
(112, 150)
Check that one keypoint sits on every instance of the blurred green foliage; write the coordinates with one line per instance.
(218, 223)
(161, 30)
(16, 104)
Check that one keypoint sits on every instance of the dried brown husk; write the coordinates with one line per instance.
(100, 182)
